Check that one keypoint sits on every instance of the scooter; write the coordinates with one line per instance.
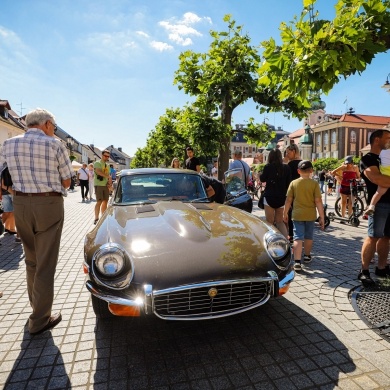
(326, 218)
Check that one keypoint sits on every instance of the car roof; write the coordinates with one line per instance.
(138, 171)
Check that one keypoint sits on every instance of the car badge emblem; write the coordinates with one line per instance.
(213, 292)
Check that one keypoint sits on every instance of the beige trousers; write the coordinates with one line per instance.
(39, 221)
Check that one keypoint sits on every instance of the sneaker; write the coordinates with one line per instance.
(370, 210)
(365, 278)
(83, 200)
(307, 259)
(383, 273)
(297, 266)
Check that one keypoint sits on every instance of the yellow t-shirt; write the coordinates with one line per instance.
(304, 192)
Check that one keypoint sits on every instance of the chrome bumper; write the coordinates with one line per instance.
(145, 298)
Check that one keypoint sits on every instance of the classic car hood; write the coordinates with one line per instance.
(174, 243)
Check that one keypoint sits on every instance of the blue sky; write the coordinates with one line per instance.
(105, 68)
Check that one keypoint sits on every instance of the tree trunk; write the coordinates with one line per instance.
(224, 149)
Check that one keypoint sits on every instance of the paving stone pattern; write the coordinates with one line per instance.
(309, 339)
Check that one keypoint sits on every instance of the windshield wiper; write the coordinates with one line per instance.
(137, 202)
(200, 200)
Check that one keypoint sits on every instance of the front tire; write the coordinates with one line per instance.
(358, 204)
(326, 221)
(100, 308)
(355, 221)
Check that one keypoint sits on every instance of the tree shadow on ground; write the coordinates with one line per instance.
(39, 365)
(275, 346)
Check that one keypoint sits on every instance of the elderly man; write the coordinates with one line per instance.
(238, 163)
(41, 170)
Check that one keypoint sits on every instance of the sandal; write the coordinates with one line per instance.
(95, 221)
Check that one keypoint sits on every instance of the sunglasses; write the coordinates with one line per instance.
(106, 155)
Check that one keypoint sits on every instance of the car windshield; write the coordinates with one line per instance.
(234, 181)
(149, 188)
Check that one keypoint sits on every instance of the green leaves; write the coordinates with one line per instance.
(314, 54)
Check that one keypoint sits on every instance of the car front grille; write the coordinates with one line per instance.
(198, 302)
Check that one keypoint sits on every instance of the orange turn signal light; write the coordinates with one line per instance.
(284, 289)
(124, 311)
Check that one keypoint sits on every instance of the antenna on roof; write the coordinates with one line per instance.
(21, 108)
(350, 111)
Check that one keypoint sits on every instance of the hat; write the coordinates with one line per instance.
(348, 160)
(305, 164)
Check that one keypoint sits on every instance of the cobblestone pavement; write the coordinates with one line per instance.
(309, 339)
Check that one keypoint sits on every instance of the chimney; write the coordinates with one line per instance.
(120, 149)
(92, 146)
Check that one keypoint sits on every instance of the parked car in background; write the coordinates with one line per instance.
(163, 249)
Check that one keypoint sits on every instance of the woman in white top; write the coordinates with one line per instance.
(90, 180)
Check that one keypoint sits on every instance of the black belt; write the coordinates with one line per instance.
(53, 193)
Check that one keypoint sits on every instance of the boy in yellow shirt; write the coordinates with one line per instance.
(306, 195)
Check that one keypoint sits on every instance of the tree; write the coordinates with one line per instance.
(312, 57)
(316, 53)
(222, 79)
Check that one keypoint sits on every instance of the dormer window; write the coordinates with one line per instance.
(5, 113)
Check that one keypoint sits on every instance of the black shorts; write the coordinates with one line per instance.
(345, 190)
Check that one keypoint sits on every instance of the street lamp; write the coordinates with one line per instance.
(386, 85)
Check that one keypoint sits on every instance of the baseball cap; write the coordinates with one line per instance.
(348, 160)
(305, 164)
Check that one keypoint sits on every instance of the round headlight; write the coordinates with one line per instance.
(110, 264)
(278, 247)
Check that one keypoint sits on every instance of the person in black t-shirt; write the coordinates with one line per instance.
(294, 158)
(192, 162)
(378, 237)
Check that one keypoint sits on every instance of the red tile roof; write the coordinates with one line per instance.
(357, 118)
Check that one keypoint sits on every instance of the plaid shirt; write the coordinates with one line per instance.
(36, 162)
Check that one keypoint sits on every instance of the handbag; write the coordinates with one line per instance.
(261, 201)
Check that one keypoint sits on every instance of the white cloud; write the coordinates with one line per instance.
(12, 48)
(142, 34)
(118, 44)
(161, 46)
(179, 31)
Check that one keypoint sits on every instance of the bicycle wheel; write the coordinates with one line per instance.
(337, 207)
(359, 207)
(358, 204)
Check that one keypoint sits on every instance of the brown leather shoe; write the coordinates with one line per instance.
(1, 294)
(53, 321)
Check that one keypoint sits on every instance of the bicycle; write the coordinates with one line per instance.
(357, 206)
(255, 190)
(362, 191)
